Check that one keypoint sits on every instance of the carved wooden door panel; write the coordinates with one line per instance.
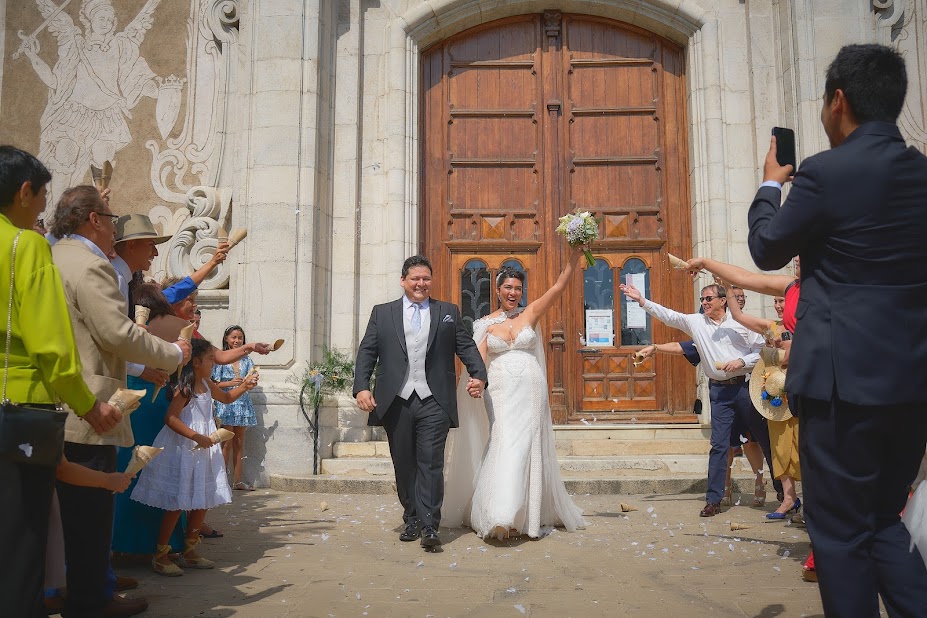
(526, 119)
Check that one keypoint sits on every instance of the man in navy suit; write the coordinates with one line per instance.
(856, 215)
(415, 339)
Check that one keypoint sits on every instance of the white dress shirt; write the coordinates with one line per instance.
(722, 341)
(93, 247)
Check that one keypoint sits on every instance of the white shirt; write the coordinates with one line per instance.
(124, 274)
(716, 341)
(407, 310)
(93, 247)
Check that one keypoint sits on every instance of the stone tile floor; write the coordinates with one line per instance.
(299, 554)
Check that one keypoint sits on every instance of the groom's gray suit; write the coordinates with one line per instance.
(415, 394)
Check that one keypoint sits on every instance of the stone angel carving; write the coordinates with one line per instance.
(99, 77)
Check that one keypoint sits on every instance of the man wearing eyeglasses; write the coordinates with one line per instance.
(106, 338)
(728, 353)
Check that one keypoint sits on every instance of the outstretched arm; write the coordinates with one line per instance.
(535, 310)
(228, 397)
(751, 322)
(774, 285)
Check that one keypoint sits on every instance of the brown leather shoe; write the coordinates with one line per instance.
(710, 510)
(809, 575)
(125, 583)
(120, 607)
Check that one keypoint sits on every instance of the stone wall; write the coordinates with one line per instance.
(304, 114)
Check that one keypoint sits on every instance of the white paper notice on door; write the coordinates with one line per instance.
(636, 316)
(600, 328)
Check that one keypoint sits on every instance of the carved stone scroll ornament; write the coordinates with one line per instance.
(195, 156)
(194, 234)
(902, 24)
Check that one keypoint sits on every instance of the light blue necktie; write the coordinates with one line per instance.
(416, 317)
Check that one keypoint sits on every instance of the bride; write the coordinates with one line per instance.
(510, 486)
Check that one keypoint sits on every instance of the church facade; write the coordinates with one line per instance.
(346, 135)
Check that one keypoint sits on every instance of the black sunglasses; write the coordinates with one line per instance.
(708, 299)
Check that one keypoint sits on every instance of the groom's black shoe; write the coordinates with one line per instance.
(430, 537)
(411, 532)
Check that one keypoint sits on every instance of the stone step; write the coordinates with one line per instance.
(613, 485)
(594, 431)
(566, 447)
(586, 467)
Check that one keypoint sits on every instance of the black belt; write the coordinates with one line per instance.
(734, 380)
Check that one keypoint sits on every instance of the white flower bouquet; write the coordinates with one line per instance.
(580, 228)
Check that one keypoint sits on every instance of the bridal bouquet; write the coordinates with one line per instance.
(580, 228)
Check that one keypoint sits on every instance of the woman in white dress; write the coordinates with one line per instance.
(515, 487)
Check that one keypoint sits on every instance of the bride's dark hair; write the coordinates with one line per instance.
(507, 272)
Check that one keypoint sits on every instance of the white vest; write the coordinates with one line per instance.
(416, 348)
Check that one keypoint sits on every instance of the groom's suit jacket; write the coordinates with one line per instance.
(385, 341)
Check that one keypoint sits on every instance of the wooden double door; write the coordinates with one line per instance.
(526, 119)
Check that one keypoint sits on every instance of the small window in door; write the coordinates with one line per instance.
(475, 292)
(636, 328)
(599, 294)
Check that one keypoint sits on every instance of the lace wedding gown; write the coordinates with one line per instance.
(517, 485)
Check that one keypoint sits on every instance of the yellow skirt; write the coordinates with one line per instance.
(783, 439)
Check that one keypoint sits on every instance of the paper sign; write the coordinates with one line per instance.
(600, 327)
(636, 317)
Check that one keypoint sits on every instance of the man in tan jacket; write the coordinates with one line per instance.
(106, 339)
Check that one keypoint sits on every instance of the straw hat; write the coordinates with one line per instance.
(767, 386)
(138, 227)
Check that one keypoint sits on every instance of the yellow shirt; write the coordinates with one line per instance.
(44, 362)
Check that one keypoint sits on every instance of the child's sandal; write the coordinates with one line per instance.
(168, 570)
(194, 563)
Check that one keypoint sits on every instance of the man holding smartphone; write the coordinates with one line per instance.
(855, 215)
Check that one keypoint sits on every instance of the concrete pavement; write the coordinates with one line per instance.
(298, 554)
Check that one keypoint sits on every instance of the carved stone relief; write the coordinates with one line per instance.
(194, 232)
(903, 25)
(96, 80)
(193, 157)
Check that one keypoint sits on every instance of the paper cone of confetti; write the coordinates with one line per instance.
(236, 236)
(141, 457)
(142, 314)
(126, 400)
(218, 436)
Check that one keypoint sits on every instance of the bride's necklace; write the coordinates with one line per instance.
(507, 315)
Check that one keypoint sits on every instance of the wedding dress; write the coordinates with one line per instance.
(502, 471)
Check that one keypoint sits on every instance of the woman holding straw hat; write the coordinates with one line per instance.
(769, 398)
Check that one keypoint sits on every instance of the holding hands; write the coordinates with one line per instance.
(475, 387)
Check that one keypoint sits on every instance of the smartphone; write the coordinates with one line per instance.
(785, 147)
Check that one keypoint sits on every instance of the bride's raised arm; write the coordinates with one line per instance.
(536, 309)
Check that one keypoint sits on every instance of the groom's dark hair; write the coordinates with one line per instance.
(412, 262)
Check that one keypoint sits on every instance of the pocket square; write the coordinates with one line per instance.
(447, 318)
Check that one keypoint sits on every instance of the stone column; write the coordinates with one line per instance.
(283, 179)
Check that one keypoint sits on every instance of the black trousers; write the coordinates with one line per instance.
(25, 505)
(857, 465)
(87, 518)
(417, 432)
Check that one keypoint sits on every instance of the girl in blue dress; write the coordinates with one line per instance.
(238, 415)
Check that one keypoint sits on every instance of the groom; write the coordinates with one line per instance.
(415, 339)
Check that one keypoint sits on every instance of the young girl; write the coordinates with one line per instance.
(239, 415)
(181, 478)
